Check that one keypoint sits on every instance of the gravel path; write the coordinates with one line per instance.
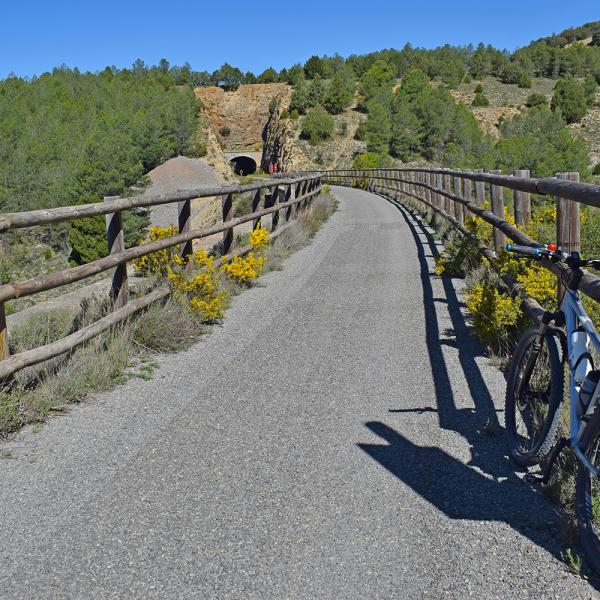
(328, 441)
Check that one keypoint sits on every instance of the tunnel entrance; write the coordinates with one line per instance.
(243, 165)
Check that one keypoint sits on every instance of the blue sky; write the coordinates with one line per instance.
(36, 36)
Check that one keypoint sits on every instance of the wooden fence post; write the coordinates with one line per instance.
(479, 190)
(567, 223)
(448, 188)
(497, 197)
(289, 195)
(522, 201)
(185, 224)
(274, 200)
(305, 190)
(458, 207)
(439, 184)
(255, 207)
(116, 243)
(227, 205)
(4, 351)
(467, 195)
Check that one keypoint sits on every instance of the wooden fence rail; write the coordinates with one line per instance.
(286, 196)
(449, 193)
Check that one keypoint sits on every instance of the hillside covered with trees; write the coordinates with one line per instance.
(68, 137)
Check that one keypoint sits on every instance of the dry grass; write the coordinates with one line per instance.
(94, 367)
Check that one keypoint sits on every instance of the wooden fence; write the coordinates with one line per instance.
(278, 197)
(456, 194)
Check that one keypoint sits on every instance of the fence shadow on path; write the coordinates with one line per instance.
(487, 487)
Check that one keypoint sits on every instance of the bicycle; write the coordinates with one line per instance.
(535, 391)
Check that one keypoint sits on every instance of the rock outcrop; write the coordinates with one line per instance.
(242, 113)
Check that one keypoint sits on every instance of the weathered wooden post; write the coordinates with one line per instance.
(458, 207)
(305, 189)
(568, 226)
(255, 208)
(273, 200)
(439, 184)
(289, 196)
(448, 188)
(227, 205)
(184, 210)
(4, 352)
(467, 195)
(522, 201)
(119, 289)
(479, 190)
(497, 197)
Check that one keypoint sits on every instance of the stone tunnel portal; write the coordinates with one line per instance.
(243, 165)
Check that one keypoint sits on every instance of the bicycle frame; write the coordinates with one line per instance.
(576, 315)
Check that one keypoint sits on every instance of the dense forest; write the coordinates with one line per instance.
(68, 137)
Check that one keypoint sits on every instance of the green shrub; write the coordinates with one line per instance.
(478, 89)
(224, 131)
(294, 114)
(480, 100)
(340, 91)
(570, 99)
(371, 160)
(596, 169)
(318, 125)
(459, 257)
(534, 100)
(590, 88)
(524, 81)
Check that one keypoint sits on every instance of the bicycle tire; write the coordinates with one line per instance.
(586, 483)
(540, 448)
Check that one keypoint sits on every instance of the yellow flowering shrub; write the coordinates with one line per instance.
(492, 311)
(197, 283)
(195, 279)
(259, 238)
(244, 269)
(157, 263)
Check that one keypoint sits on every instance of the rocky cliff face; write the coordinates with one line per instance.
(244, 112)
(279, 144)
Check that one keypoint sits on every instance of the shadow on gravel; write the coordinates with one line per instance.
(486, 488)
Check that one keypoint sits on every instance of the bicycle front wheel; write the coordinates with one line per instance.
(534, 394)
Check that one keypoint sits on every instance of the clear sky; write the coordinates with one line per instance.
(38, 35)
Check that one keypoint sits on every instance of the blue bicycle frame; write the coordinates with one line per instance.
(575, 316)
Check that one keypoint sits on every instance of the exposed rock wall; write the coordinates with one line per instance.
(244, 111)
(279, 144)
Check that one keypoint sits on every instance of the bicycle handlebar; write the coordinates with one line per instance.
(553, 253)
(526, 250)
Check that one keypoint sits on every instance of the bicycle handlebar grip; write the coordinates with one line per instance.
(527, 250)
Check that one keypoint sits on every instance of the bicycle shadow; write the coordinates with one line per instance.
(486, 487)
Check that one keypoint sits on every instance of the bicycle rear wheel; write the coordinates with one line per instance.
(534, 394)
(588, 495)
